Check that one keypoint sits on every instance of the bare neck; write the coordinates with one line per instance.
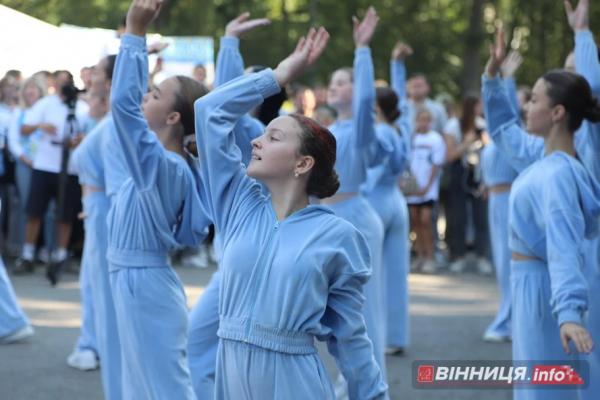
(287, 198)
(344, 112)
(170, 141)
(559, 139)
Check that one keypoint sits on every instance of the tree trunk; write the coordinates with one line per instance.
(474, 39)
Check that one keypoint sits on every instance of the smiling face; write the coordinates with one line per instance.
(539, 111)
(339, 94)
(275, 153)
(158, 105)
(31, 93)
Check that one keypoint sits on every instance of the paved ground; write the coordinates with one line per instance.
(448, 316)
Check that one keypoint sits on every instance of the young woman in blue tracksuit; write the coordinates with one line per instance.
(290, 271)
(554, 205)
(498, 176)
(381, 189)
(396, 245)
(352, 94)
(523, 150)
(155, 210)
(587, 142)
(204, 317)
(89, 160)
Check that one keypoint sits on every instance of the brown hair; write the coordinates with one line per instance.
(387, 101)
(319, 143)
(573, 92)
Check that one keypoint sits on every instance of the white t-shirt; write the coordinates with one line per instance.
(52, 110)
(428, 149)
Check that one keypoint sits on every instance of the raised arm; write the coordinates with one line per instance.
(140, 146)
(363, 99)
(347, 341)
(586, 50)
(398, 79)
(509, 67)
(223, 176)
(520, 148)
(141, 149)
(230, 63)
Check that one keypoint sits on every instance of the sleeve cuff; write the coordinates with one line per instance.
(362, 52)
(134, 41)
(569, 315)
(491, 82)
(230, 41)
(581, 36)
(266, 84)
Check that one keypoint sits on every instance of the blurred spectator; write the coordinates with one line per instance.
(418, 90)
(428, 154)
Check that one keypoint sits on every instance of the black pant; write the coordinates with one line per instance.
(456, 200)
(45, 187)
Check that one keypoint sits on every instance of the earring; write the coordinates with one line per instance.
(296, 174)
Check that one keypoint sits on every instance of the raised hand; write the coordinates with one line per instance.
(511, 64)
(497, 54)
(363, 30)
(243, 24)
(401, 50)
(307, 52)
(578, 18)
(578, 334)
(141, 14)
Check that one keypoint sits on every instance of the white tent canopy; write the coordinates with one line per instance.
(30, 45)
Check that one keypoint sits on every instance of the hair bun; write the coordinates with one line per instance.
(592, 111)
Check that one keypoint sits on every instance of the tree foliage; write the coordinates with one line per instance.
(450, 37)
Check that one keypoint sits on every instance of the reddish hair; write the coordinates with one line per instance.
(319, 143)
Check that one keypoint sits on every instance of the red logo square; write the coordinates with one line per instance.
(425, 373)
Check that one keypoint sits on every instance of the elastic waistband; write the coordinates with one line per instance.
(283, 341)
(528, 266)
(124, 258)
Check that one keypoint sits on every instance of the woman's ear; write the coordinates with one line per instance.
(304, 165)
(558, 113)
(173, 118)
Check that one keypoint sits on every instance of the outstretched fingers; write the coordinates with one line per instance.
(319, 44)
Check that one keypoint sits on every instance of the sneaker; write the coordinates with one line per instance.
(54, 271)
(494, 337)
(458, 266)
(484, 266)
(84, 360)
(44, 256)
(416, 264)
(394, 351)
(19, 335)
(23, 266)
(429, 267)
